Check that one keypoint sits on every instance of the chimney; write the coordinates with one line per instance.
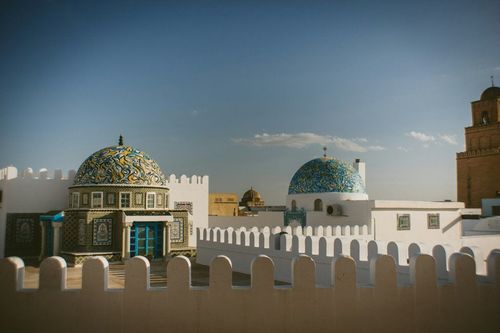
(361, 169)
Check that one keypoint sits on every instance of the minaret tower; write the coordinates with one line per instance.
(478, 167)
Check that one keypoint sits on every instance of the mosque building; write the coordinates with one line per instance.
(119, 204)
(319, 184)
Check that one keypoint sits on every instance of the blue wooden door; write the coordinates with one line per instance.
(146, 239)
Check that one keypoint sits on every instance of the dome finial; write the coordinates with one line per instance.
(120, 141)
(492, 82)
(324, 151)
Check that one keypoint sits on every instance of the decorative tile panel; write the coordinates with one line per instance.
(24, 230)
(188, 205)
(177, 230)
(102, 231)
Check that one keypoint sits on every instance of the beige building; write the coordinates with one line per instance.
(223, 204)
(478, 167)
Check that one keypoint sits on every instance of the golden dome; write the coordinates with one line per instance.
(490, 93)
(251, 195)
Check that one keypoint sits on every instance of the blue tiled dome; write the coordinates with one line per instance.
(120, 165)
(326, 174)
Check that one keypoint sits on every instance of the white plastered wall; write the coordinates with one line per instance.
(385, 214)
(30, 195)
(306, 200)
(354, 212)
(191, 189)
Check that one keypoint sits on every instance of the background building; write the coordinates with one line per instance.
(251, 198)
(478, 167)
(223, 204)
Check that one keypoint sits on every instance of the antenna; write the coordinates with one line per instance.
(492, 82)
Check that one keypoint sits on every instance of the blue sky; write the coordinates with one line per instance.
(247, 92)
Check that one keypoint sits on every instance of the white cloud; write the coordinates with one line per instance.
(376, 148)
(428, 139)
(403, 149)
(421, 136)
(451, 139)
(301, 140)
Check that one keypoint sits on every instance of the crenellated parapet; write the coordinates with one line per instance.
(11, 172)
(463, 303)
(185, 180)
(323, 244)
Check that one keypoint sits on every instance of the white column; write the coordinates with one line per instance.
(56, 227)
(127, 241)
(42, 250)
(165, 229)
(167, 243)
(124, 235)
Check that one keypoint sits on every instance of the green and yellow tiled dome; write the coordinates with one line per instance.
(120, 165)
(326, 174)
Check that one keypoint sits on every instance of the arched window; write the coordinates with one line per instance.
(318, 205)
(294, 205)
(485, 118)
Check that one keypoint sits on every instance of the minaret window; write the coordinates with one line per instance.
(485, 118)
